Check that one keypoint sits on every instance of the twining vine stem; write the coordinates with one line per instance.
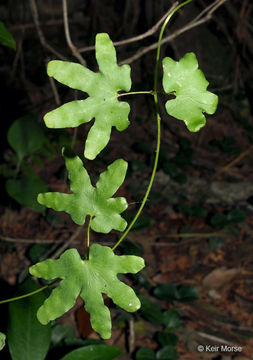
(24, 296)
(150, 92)
(158, 119)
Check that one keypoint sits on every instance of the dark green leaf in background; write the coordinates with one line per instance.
(171, 319)
(167, 353)
(142, 280)
(94, 352)
(6, 38)
(61, 332)
(166, 292)
(219, 220)
(145, 353)
(188, 293)
(63, 335)
(25, 136)
(37, 251)
(165, 338)
(194, 211)
(236, 216)
(27, 338)
(150, 310)
(26, 190)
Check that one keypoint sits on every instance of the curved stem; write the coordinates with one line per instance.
(149, 186)
(160, 39)
(86, 250)
(158, 119)
(24, 296)
(136, 93)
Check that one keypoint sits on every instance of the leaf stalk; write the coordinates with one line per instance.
(25, 295)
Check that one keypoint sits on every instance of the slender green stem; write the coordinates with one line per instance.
(86, 250)
(158, 119)
(24, 296)
(160, 39)
(148, 189)
(88, 233)
(150, 92)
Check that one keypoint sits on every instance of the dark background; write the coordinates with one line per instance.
(200, 174)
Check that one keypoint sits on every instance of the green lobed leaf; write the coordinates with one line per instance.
(102, 103)
(188, 83)
(89, 279)
(94, 352)
(87, 200)
(6, 38)
(27, 338)
(188, 293)
(25, 136)
(2, 340)
(25, 191)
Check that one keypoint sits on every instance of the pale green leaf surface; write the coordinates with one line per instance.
(2, 340)
(89, 279)
(6, 38)
(88, 200)
(188, 83)
(102, 103)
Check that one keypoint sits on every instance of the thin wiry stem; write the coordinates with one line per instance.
(136, 93)
(158, 120)
(24, 296)
(88, 233)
